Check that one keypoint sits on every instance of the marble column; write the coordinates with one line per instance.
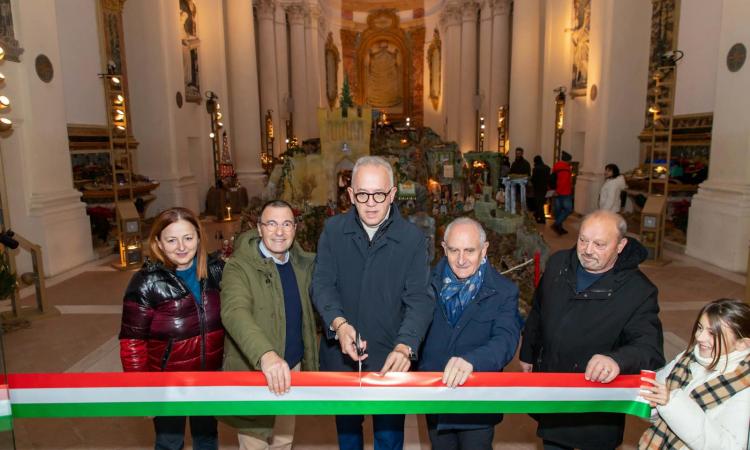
(468, 84)
(312, 59)
(282, 73)
(450, 21)
(42, 204)
(524, 121)
(500, 66)
(244, 114)
(719, 218)
(269, 91)
(296, 13)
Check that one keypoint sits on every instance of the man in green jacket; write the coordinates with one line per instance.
(268, 317)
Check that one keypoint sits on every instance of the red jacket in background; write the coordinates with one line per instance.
(164, 329)
(564, 175)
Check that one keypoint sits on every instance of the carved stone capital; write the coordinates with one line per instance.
(113, 5)
(296, 12)
(499, 7)
(265, 9)
(312, 16)
(451, 15)
(469, 10)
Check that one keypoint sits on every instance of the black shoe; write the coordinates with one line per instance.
(541, 221)
(556, 228)
(562, 230)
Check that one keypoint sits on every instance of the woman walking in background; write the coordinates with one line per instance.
(171, 317)
(614, 184)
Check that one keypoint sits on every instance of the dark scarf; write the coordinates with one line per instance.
(707, 395)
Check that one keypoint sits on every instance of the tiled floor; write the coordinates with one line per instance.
(82, 338)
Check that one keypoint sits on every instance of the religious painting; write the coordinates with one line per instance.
(433, 63)
(332, 70)
(7, 35)
(579, 35)
(383, 65)
(190, 44)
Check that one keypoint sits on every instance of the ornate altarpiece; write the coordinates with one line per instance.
(579, 35)
(385, 64)
(190, 45)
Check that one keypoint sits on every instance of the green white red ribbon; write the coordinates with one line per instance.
(313, 393)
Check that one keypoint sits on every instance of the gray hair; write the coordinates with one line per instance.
(620, 222)
(374, 161)
(466, 220)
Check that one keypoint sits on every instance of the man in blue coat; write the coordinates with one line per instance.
(474, 328)
(371, 284)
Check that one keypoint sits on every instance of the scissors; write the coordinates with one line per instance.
(360, 352)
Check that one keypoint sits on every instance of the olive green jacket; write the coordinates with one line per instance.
(252, 311)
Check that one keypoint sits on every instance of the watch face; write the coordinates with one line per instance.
(131, 226)
(649, 222)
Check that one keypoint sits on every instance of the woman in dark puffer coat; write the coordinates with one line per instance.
(171, 317)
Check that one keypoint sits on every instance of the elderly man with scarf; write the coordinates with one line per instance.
(475, 327)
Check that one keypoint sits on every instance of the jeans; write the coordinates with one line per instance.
(563, 208)
(478, 439)
(389, 432)
(170, 432)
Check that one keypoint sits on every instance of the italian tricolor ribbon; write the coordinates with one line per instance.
(312, 393)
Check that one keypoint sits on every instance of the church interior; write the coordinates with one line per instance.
(114, 110)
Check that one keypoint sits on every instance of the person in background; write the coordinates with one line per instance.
(562, 173)
(614, 184)
(540, 184)
(702, 397)
(520, 165)
(171, 318)
(474, 329)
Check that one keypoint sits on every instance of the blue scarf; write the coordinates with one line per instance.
(456, 294)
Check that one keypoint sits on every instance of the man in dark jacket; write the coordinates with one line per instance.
(520, 165)
(540, 184)
(595, 313)
(474, 328)
(371, 284)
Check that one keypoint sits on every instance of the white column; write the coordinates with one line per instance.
(618, 65)
(719, 220)
(468, 89)
(42, 203)
(296, 14)
(269, 91)
(244, 114)
(500, 67)
(485, 64)
(524, 76)
(313, 59)
(282, 73)
(451, 23)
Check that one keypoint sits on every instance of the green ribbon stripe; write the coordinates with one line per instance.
(285, 407)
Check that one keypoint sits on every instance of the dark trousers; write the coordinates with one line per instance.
(563, 208)
(170, 432)
(388, 428)
(539, 202)
(478, 439)
(549, 445)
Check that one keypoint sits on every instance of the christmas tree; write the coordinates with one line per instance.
(345, 101)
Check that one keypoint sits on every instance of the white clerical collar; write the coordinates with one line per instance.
(267, 253)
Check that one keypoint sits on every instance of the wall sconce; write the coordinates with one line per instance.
(502, 116)
(559, 121)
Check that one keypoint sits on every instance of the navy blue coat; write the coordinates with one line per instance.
(486, 336)
(381, 287)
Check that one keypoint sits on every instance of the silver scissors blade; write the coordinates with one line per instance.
(358, 344)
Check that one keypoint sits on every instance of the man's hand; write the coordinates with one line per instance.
(526, 367)
(276, 371)
(347, 336)
(656, 393)
(456, 372)
(398, 360)
(601, 369)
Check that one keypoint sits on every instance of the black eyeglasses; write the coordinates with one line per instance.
(364, 197)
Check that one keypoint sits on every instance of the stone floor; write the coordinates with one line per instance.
(83, 338)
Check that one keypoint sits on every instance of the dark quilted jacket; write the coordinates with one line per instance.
(163, 329)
